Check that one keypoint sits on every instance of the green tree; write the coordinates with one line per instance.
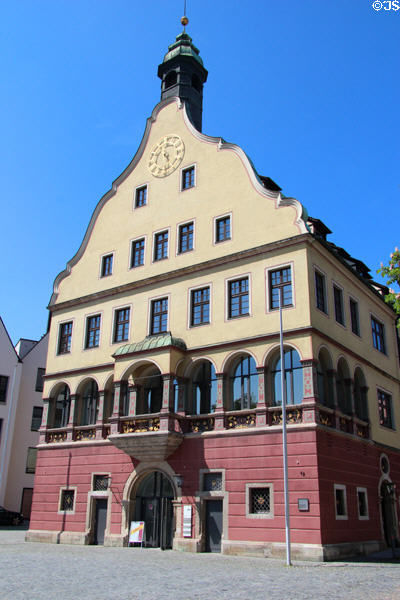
(392, 274)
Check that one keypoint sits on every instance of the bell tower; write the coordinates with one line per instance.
(182, 74)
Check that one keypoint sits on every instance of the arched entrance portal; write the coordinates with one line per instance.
(388, 512)
(153, 505)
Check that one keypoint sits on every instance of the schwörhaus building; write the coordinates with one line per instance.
(162, 393)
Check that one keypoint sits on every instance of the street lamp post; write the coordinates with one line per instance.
(284, 436)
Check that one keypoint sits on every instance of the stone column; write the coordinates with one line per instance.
(310, 390)
(181, 395)
(132, 393)
(261, 410)
(219, 410)
(73, 409)
(45, 420)
(100, 415)
(168, 393)
(114, 419)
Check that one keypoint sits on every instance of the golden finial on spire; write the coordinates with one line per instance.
(184, 19)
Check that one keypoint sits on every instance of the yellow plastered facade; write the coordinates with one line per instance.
(266, 233)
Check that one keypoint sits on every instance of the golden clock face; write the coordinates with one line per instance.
(166, 156)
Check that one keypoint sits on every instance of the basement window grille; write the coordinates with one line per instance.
(212, 482)
(260, 502)
(100, 483)
(67, 500)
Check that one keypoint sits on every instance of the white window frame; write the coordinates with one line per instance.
(114, 310)
(153, 253)
(229, 319)
(185, 168)
(131, 242)
(362, 490)
(341, 290)
(217, 218)
(178, 230)
(323, 274)
(138, 187)
(149, 313)
(69, 488)
(189, 306)
(59, 325)
(102, 257)
(262, 485)
(340, 487)
(87, 317)
(268, 270)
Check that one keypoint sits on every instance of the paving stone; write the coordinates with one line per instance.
(51, 572)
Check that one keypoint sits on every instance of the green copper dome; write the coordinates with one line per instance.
(183, 46)
(151, 342)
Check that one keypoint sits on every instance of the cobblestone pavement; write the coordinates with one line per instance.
(52, 572)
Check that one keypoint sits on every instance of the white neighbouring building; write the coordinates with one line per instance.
(21, 384)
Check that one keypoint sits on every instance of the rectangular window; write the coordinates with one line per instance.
(200, 306)
(159, 316)
(31, 460)
(340, 502)
(137, 253)
(121, 326)
(259, 501)
(280, 286)
(185, 238)
(378, 335)
(3, 387)
(100, 483)
(320, 291)
(67, 499)
(36, 418)
(238, 302)
(106, 265)
(385, 409)
(1, 427)
(212, 482)
(362, 501)
(161, 245)
(39, 379)
(93, 331)
(338, 303)
(355, 321)
(188, 178)
(222, 229)
(141, 196)
(64, 342)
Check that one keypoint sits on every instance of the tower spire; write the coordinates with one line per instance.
(182, 74)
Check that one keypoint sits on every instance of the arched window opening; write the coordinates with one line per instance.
(62, 406)
(149, 391)
(196, 83)
(293, 377)
(244, 384)
(170, 79)
(343, 390)
(204, 386)
(324, 379)
(360, 395)
(89, 405)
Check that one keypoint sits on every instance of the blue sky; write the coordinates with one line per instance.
(309, 88)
